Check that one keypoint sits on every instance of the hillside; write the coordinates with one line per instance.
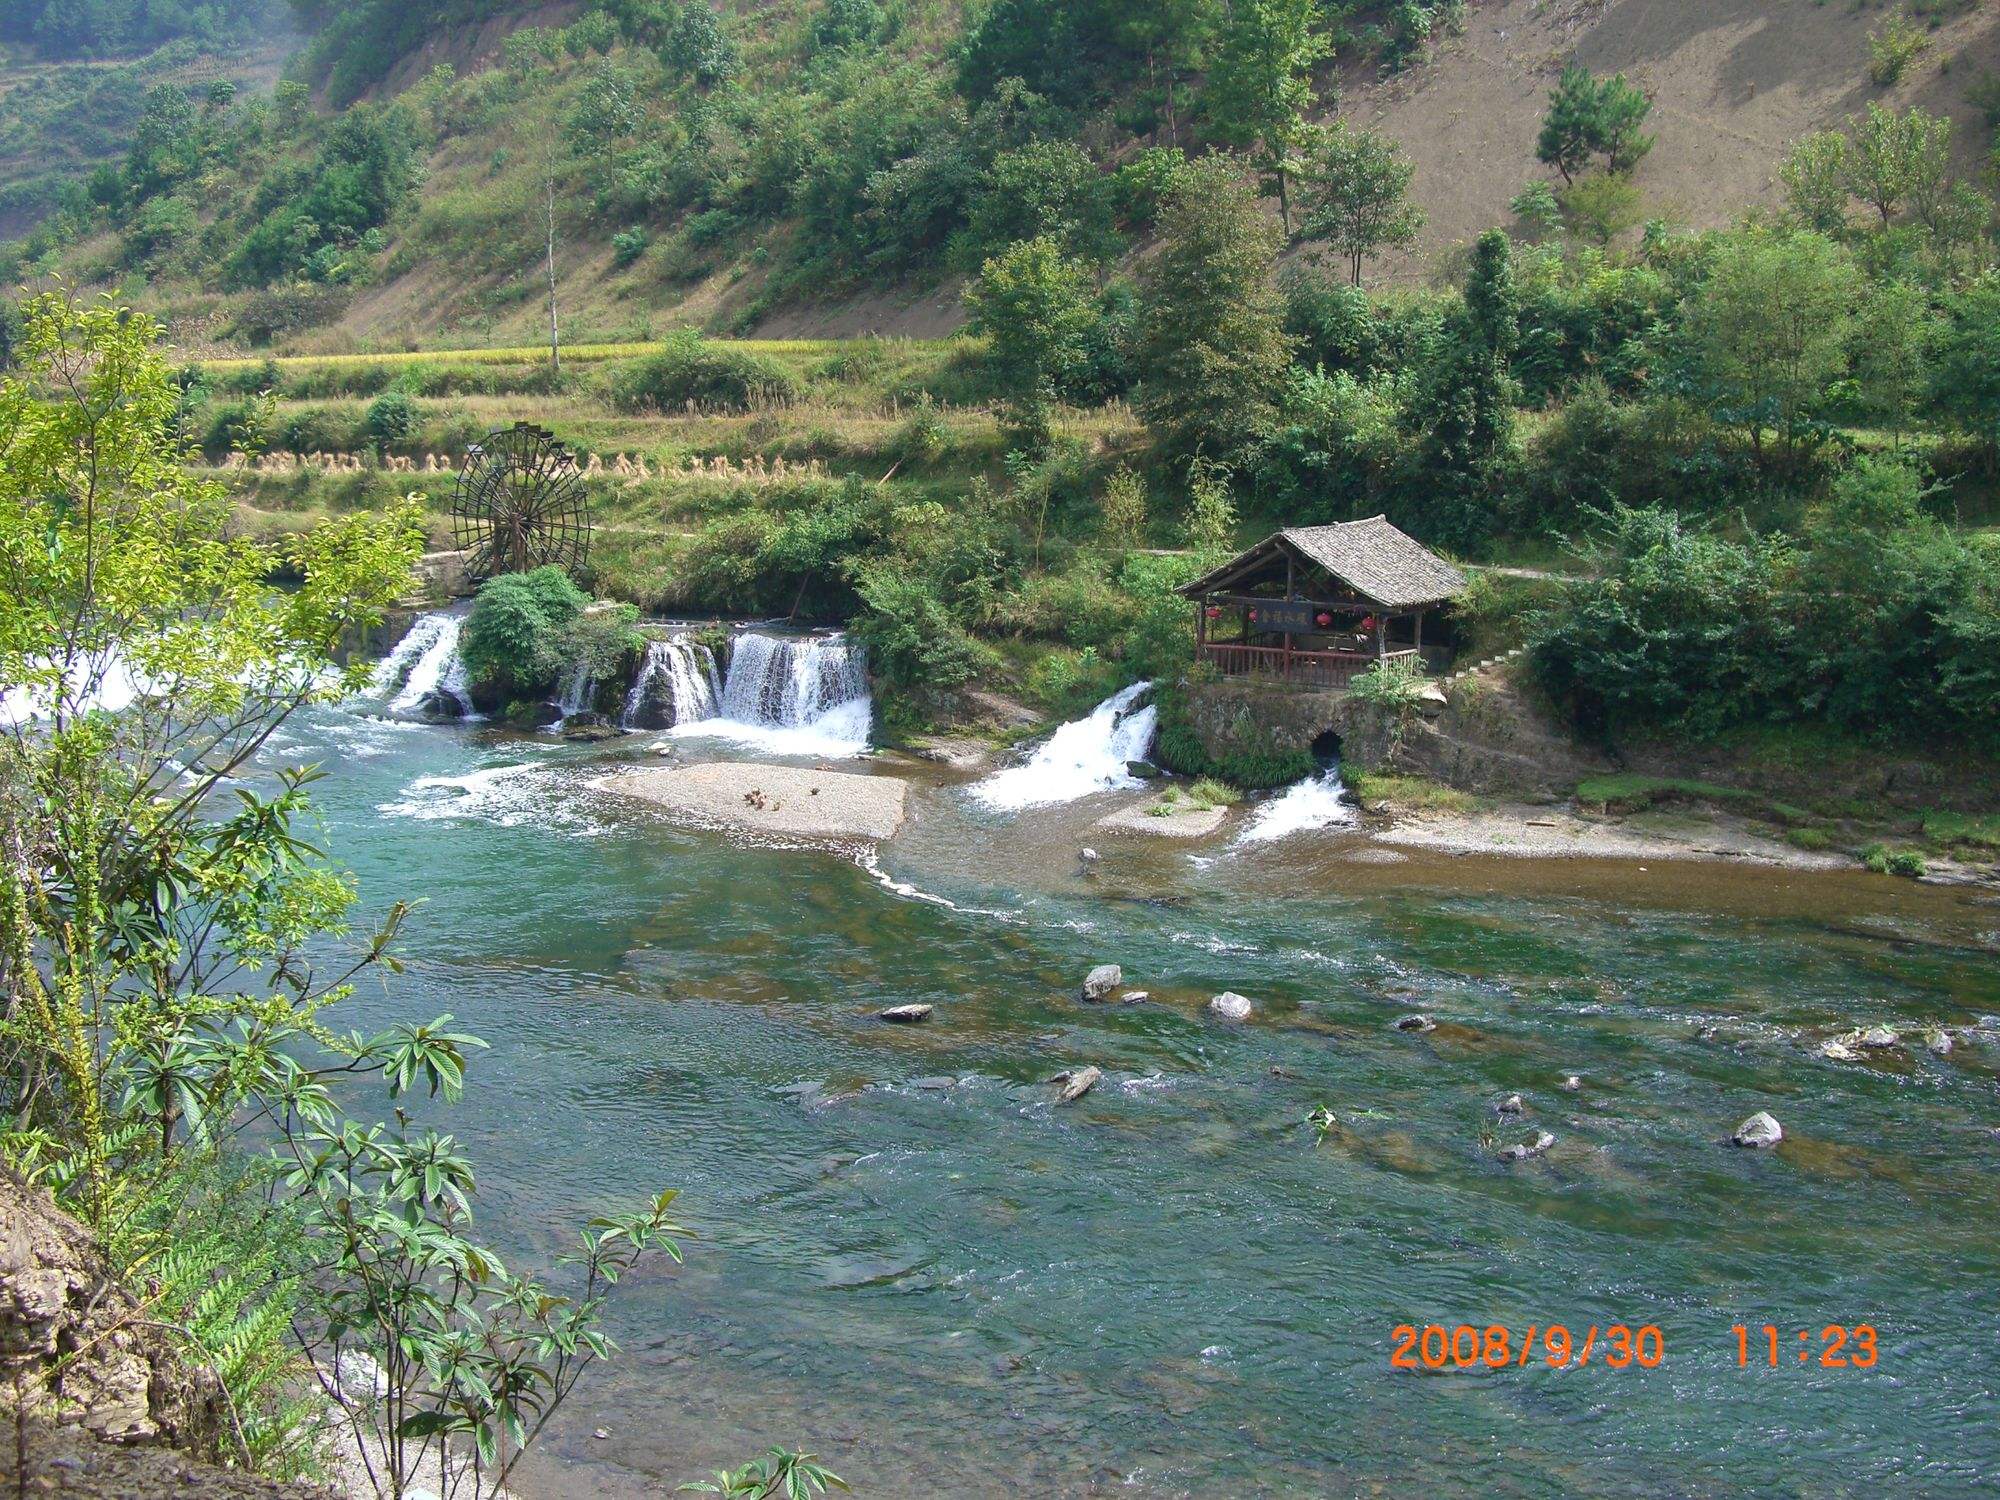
(819, 173)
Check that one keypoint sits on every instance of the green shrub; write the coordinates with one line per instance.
(1886, 861)
(628, 245)
(710, 376)
(393, 418)
(1892, 48)
(913, 640)
(1394, 683)
(512, 643)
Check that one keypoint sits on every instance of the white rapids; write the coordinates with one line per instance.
(1083, 757)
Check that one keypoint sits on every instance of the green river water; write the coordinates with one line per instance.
(914, 1264)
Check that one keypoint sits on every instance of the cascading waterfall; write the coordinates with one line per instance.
(1083, 757)
(574, 689)
(1319, 801)
(792, 695)
(677, 684)
(425, 662)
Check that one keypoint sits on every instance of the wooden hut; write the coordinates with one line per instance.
(1315, 605)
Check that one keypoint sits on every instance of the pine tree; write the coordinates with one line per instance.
(1568, 137)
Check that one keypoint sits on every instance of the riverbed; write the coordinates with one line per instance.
(911, 1261)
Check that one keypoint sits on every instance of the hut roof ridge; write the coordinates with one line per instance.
(1374, 557)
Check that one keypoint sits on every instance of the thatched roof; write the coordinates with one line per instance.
(1377, 561)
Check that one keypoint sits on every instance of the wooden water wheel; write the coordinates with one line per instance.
(520, 503)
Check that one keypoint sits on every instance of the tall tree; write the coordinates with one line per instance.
(1770, 335)
(1033, 303)
(1356, 182)
(1211, 352)
(1260, 85)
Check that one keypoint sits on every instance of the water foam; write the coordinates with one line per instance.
(1085, 756)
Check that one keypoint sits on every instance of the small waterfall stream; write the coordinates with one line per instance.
(791, 695)
(424, 663)
(1319, 801)
(1083, 757)
(676, 684)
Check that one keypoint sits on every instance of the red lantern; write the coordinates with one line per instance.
(1215, 611)
(1367, 623)
(1253, 614)
(1322, 619)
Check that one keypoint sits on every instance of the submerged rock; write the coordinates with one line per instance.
(907, 1014)
(588, 726)
(1101, 981)
(1523, 1150)
(1144, 770)
(1135, 997)
(1511, 1105)
(1416, 1021)
(1838, 1051)
(1230, 1006)
(1076, 1083)
(1572, 1083)
(1760, 1131)
(1940, 1043)
(1877, 1037)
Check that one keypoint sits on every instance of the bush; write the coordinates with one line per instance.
(912, 638)
(392, 418)
(1892, 48)
(711, 376)
(512, 641)
(628, 245)
(1886, 861)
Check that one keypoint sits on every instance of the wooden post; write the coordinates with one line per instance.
(1420, 638)
(1288, 629)
(1381, 635)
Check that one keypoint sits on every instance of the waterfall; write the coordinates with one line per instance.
(425, 662)
(677, 684)
(1319, 801)
(573, 688)
(1084, 756)
(792, 695)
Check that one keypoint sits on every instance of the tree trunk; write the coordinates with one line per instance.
(555, 339)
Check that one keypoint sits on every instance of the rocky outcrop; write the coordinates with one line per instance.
(1481, 733)
(106, 1406)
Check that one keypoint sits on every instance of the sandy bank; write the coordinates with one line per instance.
(787, 800)
(1550, 833)
(1182, 820)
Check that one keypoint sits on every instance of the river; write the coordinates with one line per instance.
(911, 1262)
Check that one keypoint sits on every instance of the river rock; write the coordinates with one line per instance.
(1760, 1131)
(1877, 1037)
(1511, 1105)
(537, 715)
(1940, 1043)
(1230, 1006)
(1523, 1150)
(1143, 770)
(440, 706)
(1572, 1084)
(587, 727)
(1417, 1021)
(1135, 997)
(1076, 1083)
(1838, 1051)
(1101, 981)
(907, 1014)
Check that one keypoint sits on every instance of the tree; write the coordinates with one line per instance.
(1568, 135)
(1769, 334)
(1816, 175)
(1211, 350)
(1891, 154)
(1260, 85)
(1356, 186)
(168, 939)
(1587, 117)
(1965, 381)
(1034, 304)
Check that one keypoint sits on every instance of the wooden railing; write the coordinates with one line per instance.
(1321, 669)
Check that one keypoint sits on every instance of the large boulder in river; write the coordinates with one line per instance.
(907, 1015)
(1101, 981)
(1760, 1132)
(435, 705)
(589, 726)
(1230, 1006)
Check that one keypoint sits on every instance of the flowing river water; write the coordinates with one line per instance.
(912, 1262)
